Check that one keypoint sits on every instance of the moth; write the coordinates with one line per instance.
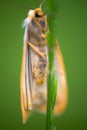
(34, 71)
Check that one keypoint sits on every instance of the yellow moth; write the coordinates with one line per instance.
(34, 71)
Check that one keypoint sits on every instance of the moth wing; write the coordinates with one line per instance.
(25, 83)
(62, 95)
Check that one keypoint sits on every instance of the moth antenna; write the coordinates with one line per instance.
(42, 3)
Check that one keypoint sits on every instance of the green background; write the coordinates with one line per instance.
(72, 35)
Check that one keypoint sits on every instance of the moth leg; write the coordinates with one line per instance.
(41, 28)
(36, 50)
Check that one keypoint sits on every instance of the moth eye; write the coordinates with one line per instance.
(37, 15)
(42, 24)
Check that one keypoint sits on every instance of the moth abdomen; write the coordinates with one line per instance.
(40, 71)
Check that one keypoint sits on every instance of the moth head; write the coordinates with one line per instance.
(37, 13)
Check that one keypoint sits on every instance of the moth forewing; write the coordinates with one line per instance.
(62, 94)
(26, 101)
(62, 98)
(25, 113)
(34, 63)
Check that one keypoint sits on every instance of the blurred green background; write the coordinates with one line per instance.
(72, 35)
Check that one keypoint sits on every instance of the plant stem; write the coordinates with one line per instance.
(52, 82)
(48, 119)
